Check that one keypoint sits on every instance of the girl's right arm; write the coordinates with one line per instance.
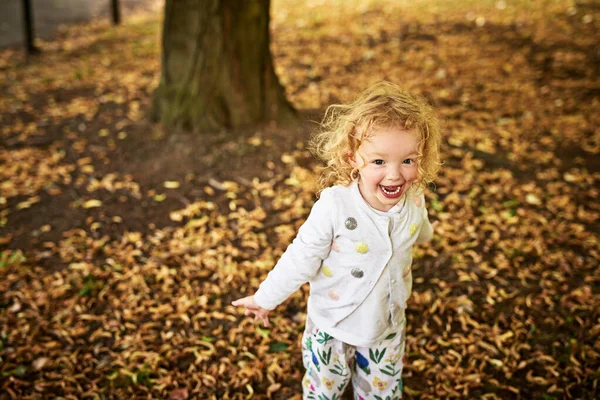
(302, 259)
(253, 308)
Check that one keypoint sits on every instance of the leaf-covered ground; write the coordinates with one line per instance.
(123, 244)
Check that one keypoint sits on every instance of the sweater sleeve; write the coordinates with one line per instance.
(426, 231)
(302, 259)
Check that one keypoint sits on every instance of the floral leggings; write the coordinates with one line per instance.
(376, 371)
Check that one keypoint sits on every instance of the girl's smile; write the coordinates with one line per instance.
(387, 166)
(391, 192)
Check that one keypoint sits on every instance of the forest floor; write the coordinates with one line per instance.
(123, 244)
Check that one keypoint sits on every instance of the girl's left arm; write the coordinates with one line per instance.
(426, 231)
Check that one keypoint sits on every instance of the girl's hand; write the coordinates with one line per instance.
(252, 308)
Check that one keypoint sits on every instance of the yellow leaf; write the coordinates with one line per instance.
(533, 199)
(26, 204)
(412, 392)
(293, 181)
(506, 335)
(263, 332)
(570, 177)
(23, 205)
(176, 216)
(171, 184)
(272, 389)
(255, 141)
(92, 203)
(160, 197)
(287, 159)
(84, 161)
(87, 169)
(495, 362)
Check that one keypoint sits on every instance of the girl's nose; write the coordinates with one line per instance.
(394, 173)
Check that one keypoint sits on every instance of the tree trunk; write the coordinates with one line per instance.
(217, 69)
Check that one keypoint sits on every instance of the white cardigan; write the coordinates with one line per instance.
(343, 249)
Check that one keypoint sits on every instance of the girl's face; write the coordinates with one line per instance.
(387, 163)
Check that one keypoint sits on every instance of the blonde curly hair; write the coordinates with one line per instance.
(382, 106)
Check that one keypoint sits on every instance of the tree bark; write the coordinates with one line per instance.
(217, 68)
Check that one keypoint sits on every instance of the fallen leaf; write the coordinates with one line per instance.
(171, 184)
(92, 203)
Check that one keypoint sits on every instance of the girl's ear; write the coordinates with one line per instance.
(351, 159)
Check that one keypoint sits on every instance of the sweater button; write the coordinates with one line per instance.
(357, 272)
(351, 223)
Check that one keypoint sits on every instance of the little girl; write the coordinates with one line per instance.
(355, 248)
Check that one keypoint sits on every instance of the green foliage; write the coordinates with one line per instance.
(278, 347)
(12, 258)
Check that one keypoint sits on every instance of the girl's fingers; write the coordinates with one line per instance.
(259, 314)
(251, 312)
(240, 302)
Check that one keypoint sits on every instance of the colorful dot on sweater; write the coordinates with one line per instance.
(406, 271)
(326, 271)
(333, 295)
(413, 229)
(362, 248)
(351, 223)
(357, 273)
(417, 201)
(335, 247)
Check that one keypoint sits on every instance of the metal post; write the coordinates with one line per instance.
(116, 12)
(28, 28)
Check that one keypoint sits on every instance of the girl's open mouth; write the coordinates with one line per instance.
(391, 192)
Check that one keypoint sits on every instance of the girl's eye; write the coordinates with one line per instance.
(408, 161)
(378, 162)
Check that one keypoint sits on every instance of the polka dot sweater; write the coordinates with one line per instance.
(357, 261)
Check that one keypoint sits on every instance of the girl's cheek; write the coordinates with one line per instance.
(413, 174)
